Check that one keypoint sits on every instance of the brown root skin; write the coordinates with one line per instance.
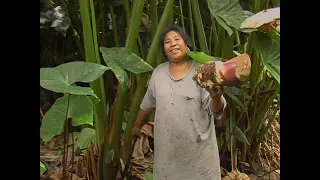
(236, 175)
(230, 73)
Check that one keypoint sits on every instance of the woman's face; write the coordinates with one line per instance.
(174, 46)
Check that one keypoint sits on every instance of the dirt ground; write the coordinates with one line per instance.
(266, 167)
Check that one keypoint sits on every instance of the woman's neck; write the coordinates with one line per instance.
(180, 63)
(179, 69)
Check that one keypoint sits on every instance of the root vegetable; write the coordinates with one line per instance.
(230, 73)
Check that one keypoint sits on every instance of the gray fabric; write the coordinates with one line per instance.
(184, 135)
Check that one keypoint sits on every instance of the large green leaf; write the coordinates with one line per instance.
(224, 25)
(228, 10)
(202, 58)
(121, 59)
(240, 135)
(269, 46)
(80, 110)
(53, 121)
(60, 79)
(87, 136)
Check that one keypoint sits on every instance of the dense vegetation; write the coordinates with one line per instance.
(95, 61)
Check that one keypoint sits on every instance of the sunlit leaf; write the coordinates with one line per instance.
(202, 58)
(57, 17)
(237, 53)
(80, 110)
(43, 168)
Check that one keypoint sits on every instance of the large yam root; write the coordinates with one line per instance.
(236, 175)
(230, 73)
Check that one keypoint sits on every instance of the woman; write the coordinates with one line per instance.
(185, 143)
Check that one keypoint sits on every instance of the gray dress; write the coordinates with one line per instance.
(185, 143)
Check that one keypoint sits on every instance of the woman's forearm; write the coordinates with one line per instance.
(142, 117)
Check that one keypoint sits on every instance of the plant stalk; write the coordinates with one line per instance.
(121, 97)
(151, 59)
(199, 26)
(191, 27)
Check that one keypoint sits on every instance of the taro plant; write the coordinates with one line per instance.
(75, 107)
(122, 60)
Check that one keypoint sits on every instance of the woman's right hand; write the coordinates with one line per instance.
(136, 131)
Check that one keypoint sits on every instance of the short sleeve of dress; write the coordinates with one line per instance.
(206, 100)
(149, 100)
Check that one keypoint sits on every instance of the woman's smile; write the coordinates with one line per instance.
(175, 47)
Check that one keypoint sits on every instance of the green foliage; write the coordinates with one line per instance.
(121, 59)
(110, 156)
(54, 120)
(269, 47)
(234, 93)
(148, 175)
(87, 136)
(77, 102)
(277, 2)
(202, 58)
(80, 110)
(47, 3)
(43, 168)
(240, 135)
(60, 79)
(227, 13)
(64, 108)
(74, 104)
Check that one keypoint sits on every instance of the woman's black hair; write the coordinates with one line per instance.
(178, 29)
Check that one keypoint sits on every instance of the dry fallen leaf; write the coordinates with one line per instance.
(142, 156)
(58, 175)
(49, 154)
